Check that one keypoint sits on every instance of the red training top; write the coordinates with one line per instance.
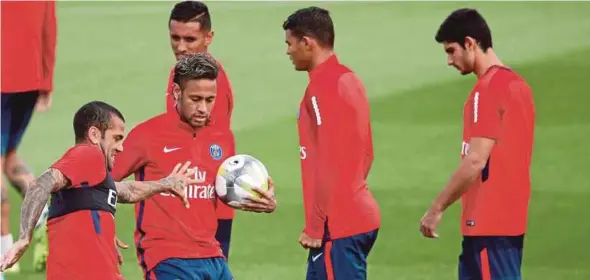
(29, 35)
(82, 243)
(165, 228)
(221, 114)
(336, 153)
(500, 107)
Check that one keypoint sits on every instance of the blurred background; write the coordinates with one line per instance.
(119, 52)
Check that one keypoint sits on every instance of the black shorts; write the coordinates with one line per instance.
(17, 109)
(341, 259)
(491, 258)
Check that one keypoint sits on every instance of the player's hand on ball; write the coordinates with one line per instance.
(308, 242)
(266, 203)
(429, 223)
(14, 254)
(180, 178)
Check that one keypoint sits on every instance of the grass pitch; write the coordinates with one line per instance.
(118, 52)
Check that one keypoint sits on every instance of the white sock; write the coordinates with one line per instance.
(43, 216)
(6, 243)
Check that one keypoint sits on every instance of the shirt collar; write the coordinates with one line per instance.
(495, 66)
(320, 68)
(182, 125)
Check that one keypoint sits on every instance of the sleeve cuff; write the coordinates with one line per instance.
(315, 234)
(47, 86)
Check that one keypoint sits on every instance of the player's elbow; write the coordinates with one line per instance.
(125, 199)
(476, 162)
(124, 193)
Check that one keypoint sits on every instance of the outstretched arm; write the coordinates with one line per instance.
(36, 198)
(135, 191)
(176, 183)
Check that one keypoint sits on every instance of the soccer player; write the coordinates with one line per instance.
(191, 31)
(173, 242)
(493, 179)
(341, 216)
(28, 59)
(81, 223)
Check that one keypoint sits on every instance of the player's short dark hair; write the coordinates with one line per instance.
(313, 22)
(192, 11)
(97, 114)
(195, 66)
(462, 23)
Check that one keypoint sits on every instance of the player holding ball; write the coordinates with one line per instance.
(190, 31)
(174, 242)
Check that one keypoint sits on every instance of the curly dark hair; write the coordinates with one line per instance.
(195, 66)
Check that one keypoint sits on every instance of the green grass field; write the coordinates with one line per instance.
(119, 53)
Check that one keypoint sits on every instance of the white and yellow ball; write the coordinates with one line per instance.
(236, 177)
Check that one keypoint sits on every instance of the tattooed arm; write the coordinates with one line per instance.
(36, 198)
(175, 183)
(135, 191)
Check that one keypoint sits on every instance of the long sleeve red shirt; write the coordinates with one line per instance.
(336, 153)
(164, 227)
(81, 242)
(221, 115)
(29, 35)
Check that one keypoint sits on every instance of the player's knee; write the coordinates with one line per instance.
(9, 158)
(3, 162)
(18, 174)
(4, 195)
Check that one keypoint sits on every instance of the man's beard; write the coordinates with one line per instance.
(106, 156)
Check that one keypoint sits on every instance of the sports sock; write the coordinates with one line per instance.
(6, 243)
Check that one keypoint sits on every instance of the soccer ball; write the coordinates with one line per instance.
(236, 177)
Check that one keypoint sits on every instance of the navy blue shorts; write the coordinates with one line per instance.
(223, 235)
(17, 109)
(191, 269)
(341, 259)
(491, 258)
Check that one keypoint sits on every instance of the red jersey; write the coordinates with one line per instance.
(82, 242)
(336, 151)
(500, 107)
(28, 45)
(164, 227)
(221, 114)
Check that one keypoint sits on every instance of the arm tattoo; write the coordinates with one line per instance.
(36, 198)
(135, 191)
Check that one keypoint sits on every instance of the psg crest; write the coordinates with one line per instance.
(215, 152)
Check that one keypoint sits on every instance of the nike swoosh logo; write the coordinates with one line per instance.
(166, 150)
(314, 258)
